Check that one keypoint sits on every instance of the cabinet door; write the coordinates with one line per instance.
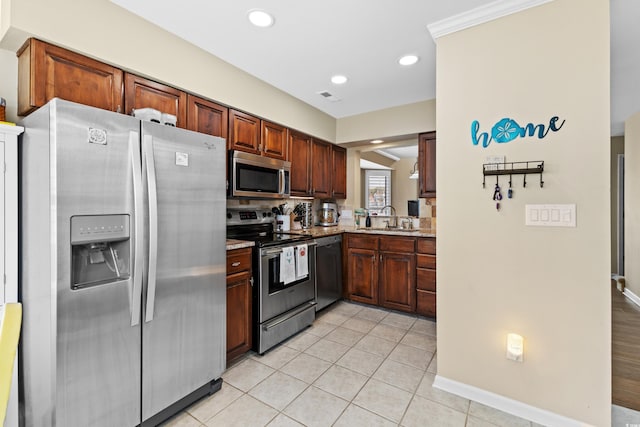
(300, 158)
(238, 314)
(339, 176)
(321, 169)
(426, 303)
(207, 117)
(46, 71)
(398, 281)
(274, 140)
(244, 132)
(427, 164)
(362, 276)
(142, 93)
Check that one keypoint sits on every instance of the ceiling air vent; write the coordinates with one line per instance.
(328, 95)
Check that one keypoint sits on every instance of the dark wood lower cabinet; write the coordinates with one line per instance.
(392, 271)
(381, 270)
(363, 275)
(239, 289)
(426, 277)
(397, 281)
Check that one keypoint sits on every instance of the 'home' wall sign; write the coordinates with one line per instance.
(506, 130)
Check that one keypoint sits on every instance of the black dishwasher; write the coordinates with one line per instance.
(328, 270)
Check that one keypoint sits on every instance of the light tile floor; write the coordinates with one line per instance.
(355, 366)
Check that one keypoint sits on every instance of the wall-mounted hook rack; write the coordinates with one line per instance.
(513, 168)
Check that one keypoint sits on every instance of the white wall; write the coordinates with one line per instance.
(496, 275)
(405, 120)
(632, 203)
(403, 188)
(9, 82)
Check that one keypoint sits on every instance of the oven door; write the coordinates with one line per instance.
(276, 295)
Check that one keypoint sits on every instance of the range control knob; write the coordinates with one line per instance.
(229, 215)
(264, 214)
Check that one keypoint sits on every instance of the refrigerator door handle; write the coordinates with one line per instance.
(147, 148)
(138, 221)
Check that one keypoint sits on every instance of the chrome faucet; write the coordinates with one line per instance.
(393, 210)
(394, 216)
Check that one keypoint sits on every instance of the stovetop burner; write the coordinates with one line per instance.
(258, 225)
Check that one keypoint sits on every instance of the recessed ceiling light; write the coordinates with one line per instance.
(260, 18)
(408, 60)
(338, 79)
(377, 141)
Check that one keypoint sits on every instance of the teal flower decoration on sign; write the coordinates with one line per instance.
(505, 130)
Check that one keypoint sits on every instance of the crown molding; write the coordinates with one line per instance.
(480, 15)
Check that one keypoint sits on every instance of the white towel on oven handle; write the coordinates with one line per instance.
(287, 265)
(302, 261)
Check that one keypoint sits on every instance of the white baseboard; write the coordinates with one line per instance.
(504, 404)
(633, 297)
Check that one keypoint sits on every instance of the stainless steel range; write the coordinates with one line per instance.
(284, 269)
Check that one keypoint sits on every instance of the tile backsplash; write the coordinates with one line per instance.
(427, 219)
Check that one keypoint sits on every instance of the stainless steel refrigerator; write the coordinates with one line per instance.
(122, 268)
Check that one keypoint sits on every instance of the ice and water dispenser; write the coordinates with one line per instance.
(100, 249)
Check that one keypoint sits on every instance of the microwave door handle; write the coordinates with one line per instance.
(138, 219)
(282, 181)
(147, 148)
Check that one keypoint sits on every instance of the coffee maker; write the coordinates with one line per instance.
(328, 214)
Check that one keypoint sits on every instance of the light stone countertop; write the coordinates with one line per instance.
(239, 244)
(339, 229)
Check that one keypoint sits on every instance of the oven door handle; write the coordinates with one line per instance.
(277, 251)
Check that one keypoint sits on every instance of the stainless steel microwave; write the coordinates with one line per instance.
(257, 177)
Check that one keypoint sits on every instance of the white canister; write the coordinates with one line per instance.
(283, 222)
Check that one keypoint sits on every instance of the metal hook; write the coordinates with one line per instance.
(524, 184)
(541, 181)
(484, 177)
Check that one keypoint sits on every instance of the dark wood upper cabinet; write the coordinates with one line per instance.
(427, 164)
(143, 93)
(244, 132)
(300, 158)
(339, 176)
(273, 140)
(46, 71)
(321, 169)
(207, 117)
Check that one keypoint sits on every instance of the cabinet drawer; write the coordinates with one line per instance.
(362, 242)
(427, 246)
(238, 260)
(398, 244)
(426, 303)
(426, 279)
(426, 261)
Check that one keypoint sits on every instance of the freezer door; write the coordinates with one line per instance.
(185, 289)
(81, 354)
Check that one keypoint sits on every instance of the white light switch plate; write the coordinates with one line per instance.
(551, 215)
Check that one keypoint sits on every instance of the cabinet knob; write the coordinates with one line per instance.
(235, 264)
